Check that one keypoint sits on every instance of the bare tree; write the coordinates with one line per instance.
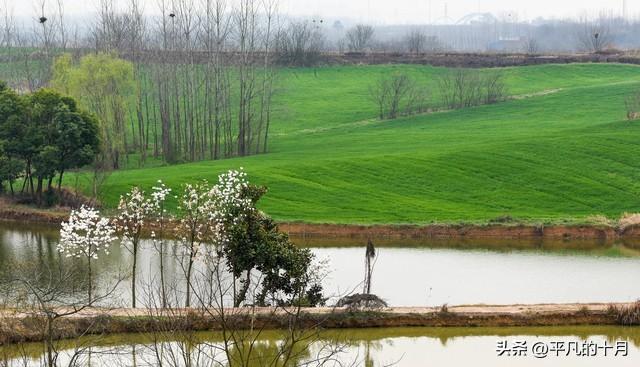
(531, 46)
(254, 75)
(300, 44)
(50, 293)
(215, 31)
(359, 38)
(595, 35)
(62, 29)
(174, 342)
(369, 263)
(397, 94)
(416, 41)
(461, 88)
(8, 41)
(161, 72)
(137, 38)
(246, 34)
(46, 27)
(269, 73)
(495, 88)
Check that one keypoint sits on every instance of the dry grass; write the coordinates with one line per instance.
(600, 220)
(629, 220)
(626, 315)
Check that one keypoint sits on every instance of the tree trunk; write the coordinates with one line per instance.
(189, 269)
(90, 288)
(60, 180)
(30, 176)
(163, 291)
(49, 343)
(38, 194)
(243, 292)
(133, 274)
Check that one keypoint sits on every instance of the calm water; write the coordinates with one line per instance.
(367, 347)
(408, 276)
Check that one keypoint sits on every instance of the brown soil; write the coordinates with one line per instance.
(23, 327)
(506, 231)
(449, 59)
(473, 60)
(10, 211)
(305, 232)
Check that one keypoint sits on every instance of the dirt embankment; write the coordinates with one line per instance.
(24, 214)
(459, 231)
(446, 59)
(10, 211)
(473, 60)
(22, 327)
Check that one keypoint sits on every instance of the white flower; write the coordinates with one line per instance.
(85, 234)
(211, 212)
(229, 204)
(134, 208)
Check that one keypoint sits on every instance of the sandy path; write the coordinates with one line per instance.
(459, 310)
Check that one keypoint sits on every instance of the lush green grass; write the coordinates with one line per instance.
(563, 155)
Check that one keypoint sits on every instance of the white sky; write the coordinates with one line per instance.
(392, 11)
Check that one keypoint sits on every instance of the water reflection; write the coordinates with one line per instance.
(363, 347)
(430, 274)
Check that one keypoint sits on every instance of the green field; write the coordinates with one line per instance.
(563, 151)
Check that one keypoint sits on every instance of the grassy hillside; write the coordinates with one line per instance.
(566, 153)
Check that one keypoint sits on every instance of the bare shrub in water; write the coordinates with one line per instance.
(46, 295)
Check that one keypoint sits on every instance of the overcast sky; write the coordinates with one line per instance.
(394, 11)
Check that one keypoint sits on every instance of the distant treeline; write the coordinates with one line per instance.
(194, 80)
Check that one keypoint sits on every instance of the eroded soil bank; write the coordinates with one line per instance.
(304, 231)
(459, 231)
(18, 326)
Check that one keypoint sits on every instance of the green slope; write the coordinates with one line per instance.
(551, 156)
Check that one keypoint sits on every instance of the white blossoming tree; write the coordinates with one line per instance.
(137, 210)
(194, 205)
(159, 195)
(134, 211)
(86, 235)
(208, 214)
(229, 205)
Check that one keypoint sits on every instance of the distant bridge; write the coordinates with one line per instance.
(478, 18)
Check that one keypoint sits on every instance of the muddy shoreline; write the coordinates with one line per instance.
(460, 231)
(308, 232)
(16, 327)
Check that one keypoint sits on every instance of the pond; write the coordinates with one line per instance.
(424, 274)
(363, 347)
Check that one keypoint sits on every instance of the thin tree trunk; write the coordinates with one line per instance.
(60, 180)
(163, 292)
(90, 276)
(133, 274)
